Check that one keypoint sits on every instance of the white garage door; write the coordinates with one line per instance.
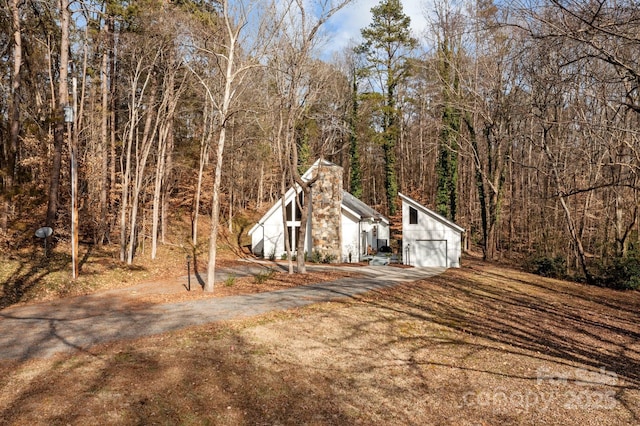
(429, 253)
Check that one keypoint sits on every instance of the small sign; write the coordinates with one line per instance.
(68, 114)
(44, 232)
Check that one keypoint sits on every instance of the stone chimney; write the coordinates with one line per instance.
(326, 216)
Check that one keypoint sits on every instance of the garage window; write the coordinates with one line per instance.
(413, 216)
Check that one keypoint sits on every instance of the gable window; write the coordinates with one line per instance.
(298, 211)
(413, 216)
(292, 209)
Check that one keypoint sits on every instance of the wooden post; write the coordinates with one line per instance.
(70, 118)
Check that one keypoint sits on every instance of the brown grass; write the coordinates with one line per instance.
(478, 345)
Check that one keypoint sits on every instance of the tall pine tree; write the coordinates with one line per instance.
(386, 46)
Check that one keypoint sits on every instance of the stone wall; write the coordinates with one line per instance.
(326, 215)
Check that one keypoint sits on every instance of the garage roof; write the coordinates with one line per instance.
(431, 213)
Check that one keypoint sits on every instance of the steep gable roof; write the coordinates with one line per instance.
(349, 202)
(431, 213)
(296, 188)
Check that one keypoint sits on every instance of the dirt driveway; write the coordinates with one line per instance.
(78, 323)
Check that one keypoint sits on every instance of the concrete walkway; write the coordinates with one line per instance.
(42, 330)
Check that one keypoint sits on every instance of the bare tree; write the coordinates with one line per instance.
(62, 101)
(235, 56)
(296, 89)
(141, 80)
(16, 82)
(171, 95)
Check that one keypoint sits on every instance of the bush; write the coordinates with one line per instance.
(230, 280)
(329, 258)
(262, 277)
(316, 257)
(555, 267)
(622, 274)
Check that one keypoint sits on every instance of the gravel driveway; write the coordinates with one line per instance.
(42, 330)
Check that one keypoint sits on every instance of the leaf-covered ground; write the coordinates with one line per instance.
(478, 345)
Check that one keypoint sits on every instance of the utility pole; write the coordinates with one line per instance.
(69, 118)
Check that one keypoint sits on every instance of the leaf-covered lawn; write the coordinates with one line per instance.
(478, 345)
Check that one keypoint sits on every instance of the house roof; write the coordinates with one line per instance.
(431, 213)
(360, 208)
(349, 202)
(306, 176)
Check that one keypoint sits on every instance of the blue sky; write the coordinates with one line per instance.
(346, 24)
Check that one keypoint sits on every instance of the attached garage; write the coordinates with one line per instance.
(429, 239)
(429, 253)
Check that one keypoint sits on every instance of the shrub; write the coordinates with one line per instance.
(622, 274)
(262, 277)
(316, 257)
(555, 267)
(329, 258)
(230, 280)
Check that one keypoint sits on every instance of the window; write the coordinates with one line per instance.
(413, 216)
(292, 209)
(299, 211)
(293, 237)
(289, 211)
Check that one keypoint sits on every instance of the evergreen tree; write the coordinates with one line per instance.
(387, 42)
(355, 169)
(448, 146)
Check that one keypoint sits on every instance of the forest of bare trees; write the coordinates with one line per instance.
(519, 120)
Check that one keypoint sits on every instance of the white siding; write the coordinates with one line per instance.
(271, 235)
(422, 239)
(268, 237)
(350, 237)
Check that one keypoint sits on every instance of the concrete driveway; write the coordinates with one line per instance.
(42, 330)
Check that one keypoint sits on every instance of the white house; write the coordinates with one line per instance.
(363, 228)
(340, 226)
(429, 239)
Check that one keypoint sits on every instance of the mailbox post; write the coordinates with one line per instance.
(188, 273)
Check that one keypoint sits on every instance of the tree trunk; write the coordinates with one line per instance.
(225, 103)
(148, 135)
(103, 227)
(167, 187)
(302, 232)
(575, 237)
(204, 155)
(16, 82)
(112, 122)
(157, 193)
(287, 244)
(164, 135)
(135, 98)
(63, 100)
(215, 210)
